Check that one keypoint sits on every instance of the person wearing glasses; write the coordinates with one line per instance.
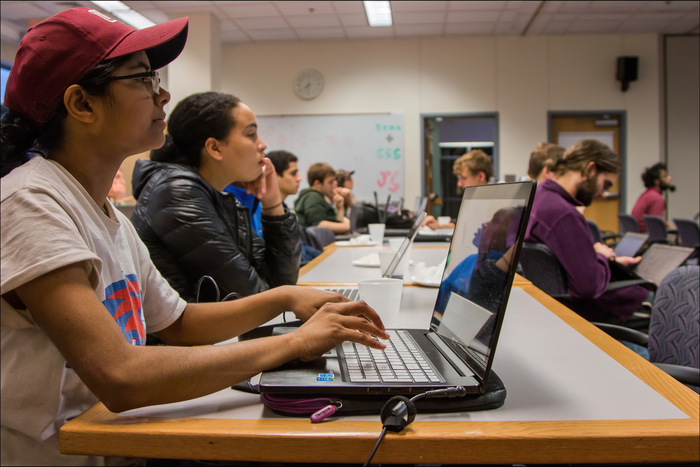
(473, 168)
(585, 172)
(191, 225)
(79, 291)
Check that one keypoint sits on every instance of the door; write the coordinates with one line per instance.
(606, 128)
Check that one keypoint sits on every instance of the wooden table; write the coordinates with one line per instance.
(100, 432)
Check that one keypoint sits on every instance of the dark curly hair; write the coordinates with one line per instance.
(652, 174)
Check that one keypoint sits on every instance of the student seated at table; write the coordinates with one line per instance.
(543, 160)
(321, 204)
(657, 180)
(288, 179)
(79, 292)
(473, 168)
(345, 186)
(585, 172)
(190, 226)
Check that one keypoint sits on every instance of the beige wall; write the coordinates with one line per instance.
(8, 51)
(683, 91)
(519, 77)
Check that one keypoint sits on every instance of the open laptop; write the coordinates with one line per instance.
(659, 260)
(353, 292)
(630, 244)
(458, 345)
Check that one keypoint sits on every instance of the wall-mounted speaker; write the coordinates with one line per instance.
(627, 70)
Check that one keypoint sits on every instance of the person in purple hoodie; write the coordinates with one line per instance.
(586, 171)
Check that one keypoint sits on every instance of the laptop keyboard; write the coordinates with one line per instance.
(352, 294)
(401, 362)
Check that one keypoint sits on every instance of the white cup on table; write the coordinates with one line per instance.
(376, 232)
(383, 295)
(395, 242)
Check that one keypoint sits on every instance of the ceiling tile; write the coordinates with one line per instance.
(477, 5)
(564, 17)
(616, 6)
(155, 15)
(349, 7)
(303, 8)
(574, 6)
(472, 16)
(539, 23)
(168, 5)
(249, 10)
(682, 26)
(418, 6)
(656, 17)
(601, 27)
(260, 35)
(517, 5)
(604, 17)
(556, 27)
(506, 28)
(671, 6)
(138, 5)
(419, 30)
(469, 28)
(228, 25)
(354, 19)
(262, 23)
(311, 21)
(642, 26)
(22, 10)
(234, 36)
(368, 31)
(552, 6)
(320, 33)
(507, 16)
(416, 17)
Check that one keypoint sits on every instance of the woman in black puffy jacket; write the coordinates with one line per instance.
(192, 228)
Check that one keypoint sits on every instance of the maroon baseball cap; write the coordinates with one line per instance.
(58, 51)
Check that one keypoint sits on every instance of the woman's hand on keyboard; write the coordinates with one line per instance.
(336, 323)
(306, 301)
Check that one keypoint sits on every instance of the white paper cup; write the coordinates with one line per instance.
(376, 231)
(383, 295)
(385, 258)
(444, 220)
(395, 242)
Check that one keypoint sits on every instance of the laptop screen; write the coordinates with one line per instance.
(405, 245)
(630, 244)
(480, 268)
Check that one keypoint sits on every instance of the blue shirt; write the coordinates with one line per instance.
(252, 203)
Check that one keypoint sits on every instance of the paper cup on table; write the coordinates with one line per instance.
(376, 232)
(444, 220)
(395, 243)
(383, 295)
(385, 258)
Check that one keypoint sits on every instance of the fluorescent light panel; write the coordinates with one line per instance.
(378, 13)
(126, 14)
(467, 144)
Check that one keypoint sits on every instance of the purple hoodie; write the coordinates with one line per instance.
(555, 222)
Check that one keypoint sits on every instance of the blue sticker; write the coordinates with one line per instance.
(326, 377)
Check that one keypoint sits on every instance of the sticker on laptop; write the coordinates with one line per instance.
(326, 377)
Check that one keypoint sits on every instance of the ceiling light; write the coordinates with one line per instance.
(378, 13)
(112, 6)
(134, 18)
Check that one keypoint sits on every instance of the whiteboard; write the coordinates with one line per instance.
(372, 145)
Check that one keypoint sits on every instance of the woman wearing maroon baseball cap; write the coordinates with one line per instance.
(79, 291)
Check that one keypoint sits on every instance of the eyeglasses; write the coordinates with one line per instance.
(148, 76)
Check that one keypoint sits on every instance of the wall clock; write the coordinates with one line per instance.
(308, 83)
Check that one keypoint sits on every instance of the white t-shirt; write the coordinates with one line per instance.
(49, 221)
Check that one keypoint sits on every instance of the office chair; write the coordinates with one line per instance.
(656, 228)
(542, 268)
(320, 237)
(674, 332)
(688, 231)
(601, 236)
(627, 223)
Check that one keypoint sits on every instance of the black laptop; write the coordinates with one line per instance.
(457, 346)
(630, 244)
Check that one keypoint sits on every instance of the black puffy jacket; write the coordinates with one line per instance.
(192, 230)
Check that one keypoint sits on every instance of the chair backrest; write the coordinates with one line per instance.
(674, 331)
(688, 231)
(656, 228)
(627, 223)
(320, 237)
(543, 269)
(595, 230)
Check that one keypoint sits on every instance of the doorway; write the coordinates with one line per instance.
(609, 127)
(446, 137)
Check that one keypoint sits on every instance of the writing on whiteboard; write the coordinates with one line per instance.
(388, 177)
